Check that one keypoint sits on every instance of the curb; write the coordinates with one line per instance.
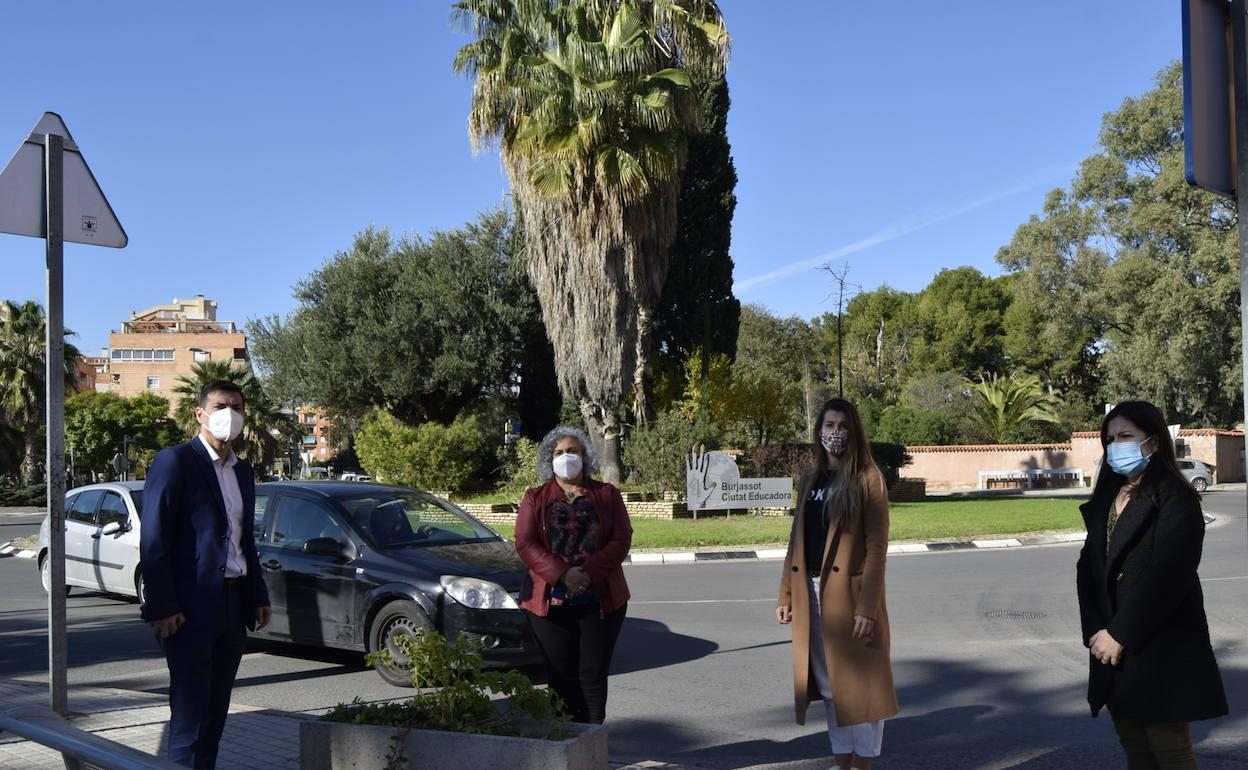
(690, 557)
(7, 549)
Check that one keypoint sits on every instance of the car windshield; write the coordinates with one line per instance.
(412, 519)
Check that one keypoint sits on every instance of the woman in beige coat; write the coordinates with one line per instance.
(832, 590)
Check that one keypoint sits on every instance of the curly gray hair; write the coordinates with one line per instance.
(546, 451)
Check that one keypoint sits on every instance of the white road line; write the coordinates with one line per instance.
(1214, 580)
(703, 601)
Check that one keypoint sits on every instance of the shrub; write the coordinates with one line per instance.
(908, 425)
(454, 693)
(517, 468)
(25, 497)
(776, 461)
(654, 455)
(891, 458)
(780, 460)
(451, 457)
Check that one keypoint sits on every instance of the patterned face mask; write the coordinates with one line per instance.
(835, 441)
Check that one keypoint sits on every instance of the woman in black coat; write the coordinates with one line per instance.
(1140, 601)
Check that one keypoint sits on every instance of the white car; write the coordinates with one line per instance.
(101, 539)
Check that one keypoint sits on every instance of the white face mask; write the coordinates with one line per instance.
(225, 424)
(567, 466)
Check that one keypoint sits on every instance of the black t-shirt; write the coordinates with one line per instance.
(815, 525)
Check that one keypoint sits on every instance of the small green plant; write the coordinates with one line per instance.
(517, 470)
(453, 693)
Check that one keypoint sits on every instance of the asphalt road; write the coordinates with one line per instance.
(986, 653)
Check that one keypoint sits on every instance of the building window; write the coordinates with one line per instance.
(143, 354)
(202, 356)
(240, 354)
(153, 383)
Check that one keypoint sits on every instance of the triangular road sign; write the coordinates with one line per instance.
(87, 216)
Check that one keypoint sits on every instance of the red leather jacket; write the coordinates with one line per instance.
(603, 566)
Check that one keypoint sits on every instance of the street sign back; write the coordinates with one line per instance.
(1208, 114)
(88, 216)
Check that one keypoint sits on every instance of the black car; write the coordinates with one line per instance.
(352, 565)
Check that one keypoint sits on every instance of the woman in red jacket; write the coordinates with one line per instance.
(573, 533)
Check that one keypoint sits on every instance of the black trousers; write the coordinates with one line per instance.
(1156, 745)
(577, 643)
(202, 666)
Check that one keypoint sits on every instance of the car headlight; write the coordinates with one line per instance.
(477, 594)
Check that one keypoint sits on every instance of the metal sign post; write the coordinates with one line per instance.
(1239, 70)
(1215, 134)
(47, 182)
(58, 650)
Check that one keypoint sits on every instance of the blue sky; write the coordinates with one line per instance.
(242, 144)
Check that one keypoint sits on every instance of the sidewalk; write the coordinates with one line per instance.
(254, 738)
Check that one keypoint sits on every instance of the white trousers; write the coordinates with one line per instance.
(862, 740)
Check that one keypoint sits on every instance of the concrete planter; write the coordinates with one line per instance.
(340, 746)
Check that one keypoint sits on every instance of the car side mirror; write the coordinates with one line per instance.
(323, 546)
(111, 528)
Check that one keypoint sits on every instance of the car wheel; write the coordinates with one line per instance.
(399, 618)
(1200, 485)
(45, 575)
(140, 590)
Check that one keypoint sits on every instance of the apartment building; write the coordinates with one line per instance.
(158, 345)
(317, 444)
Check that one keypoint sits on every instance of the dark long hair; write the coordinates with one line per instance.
(1163, 469)
(848, 490)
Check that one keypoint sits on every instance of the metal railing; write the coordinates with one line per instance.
(80, 749)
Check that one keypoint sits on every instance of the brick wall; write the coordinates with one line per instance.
(908, 491)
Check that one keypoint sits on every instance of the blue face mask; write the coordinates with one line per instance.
(1127, 458)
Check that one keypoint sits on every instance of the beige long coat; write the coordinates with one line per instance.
(851, 582)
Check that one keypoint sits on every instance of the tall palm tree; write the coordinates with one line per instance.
(23, 389)
(1002, 405)
(267, 431)
(589, 103)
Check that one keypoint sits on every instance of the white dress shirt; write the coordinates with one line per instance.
(235, 564)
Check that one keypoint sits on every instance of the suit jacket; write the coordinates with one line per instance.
(1146, 592)
(184, 542)
(603, 566)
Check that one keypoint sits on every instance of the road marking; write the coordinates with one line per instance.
(703, 601)
(1214, 580)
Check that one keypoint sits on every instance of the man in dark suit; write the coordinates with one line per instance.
(201, 573)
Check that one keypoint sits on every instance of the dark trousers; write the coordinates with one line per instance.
(202, 666)
(577, 643)
(1156, 745)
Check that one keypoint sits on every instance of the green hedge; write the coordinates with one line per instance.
(23, 497)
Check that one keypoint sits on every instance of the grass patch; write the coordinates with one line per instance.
(27, 543)
(933, 520)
